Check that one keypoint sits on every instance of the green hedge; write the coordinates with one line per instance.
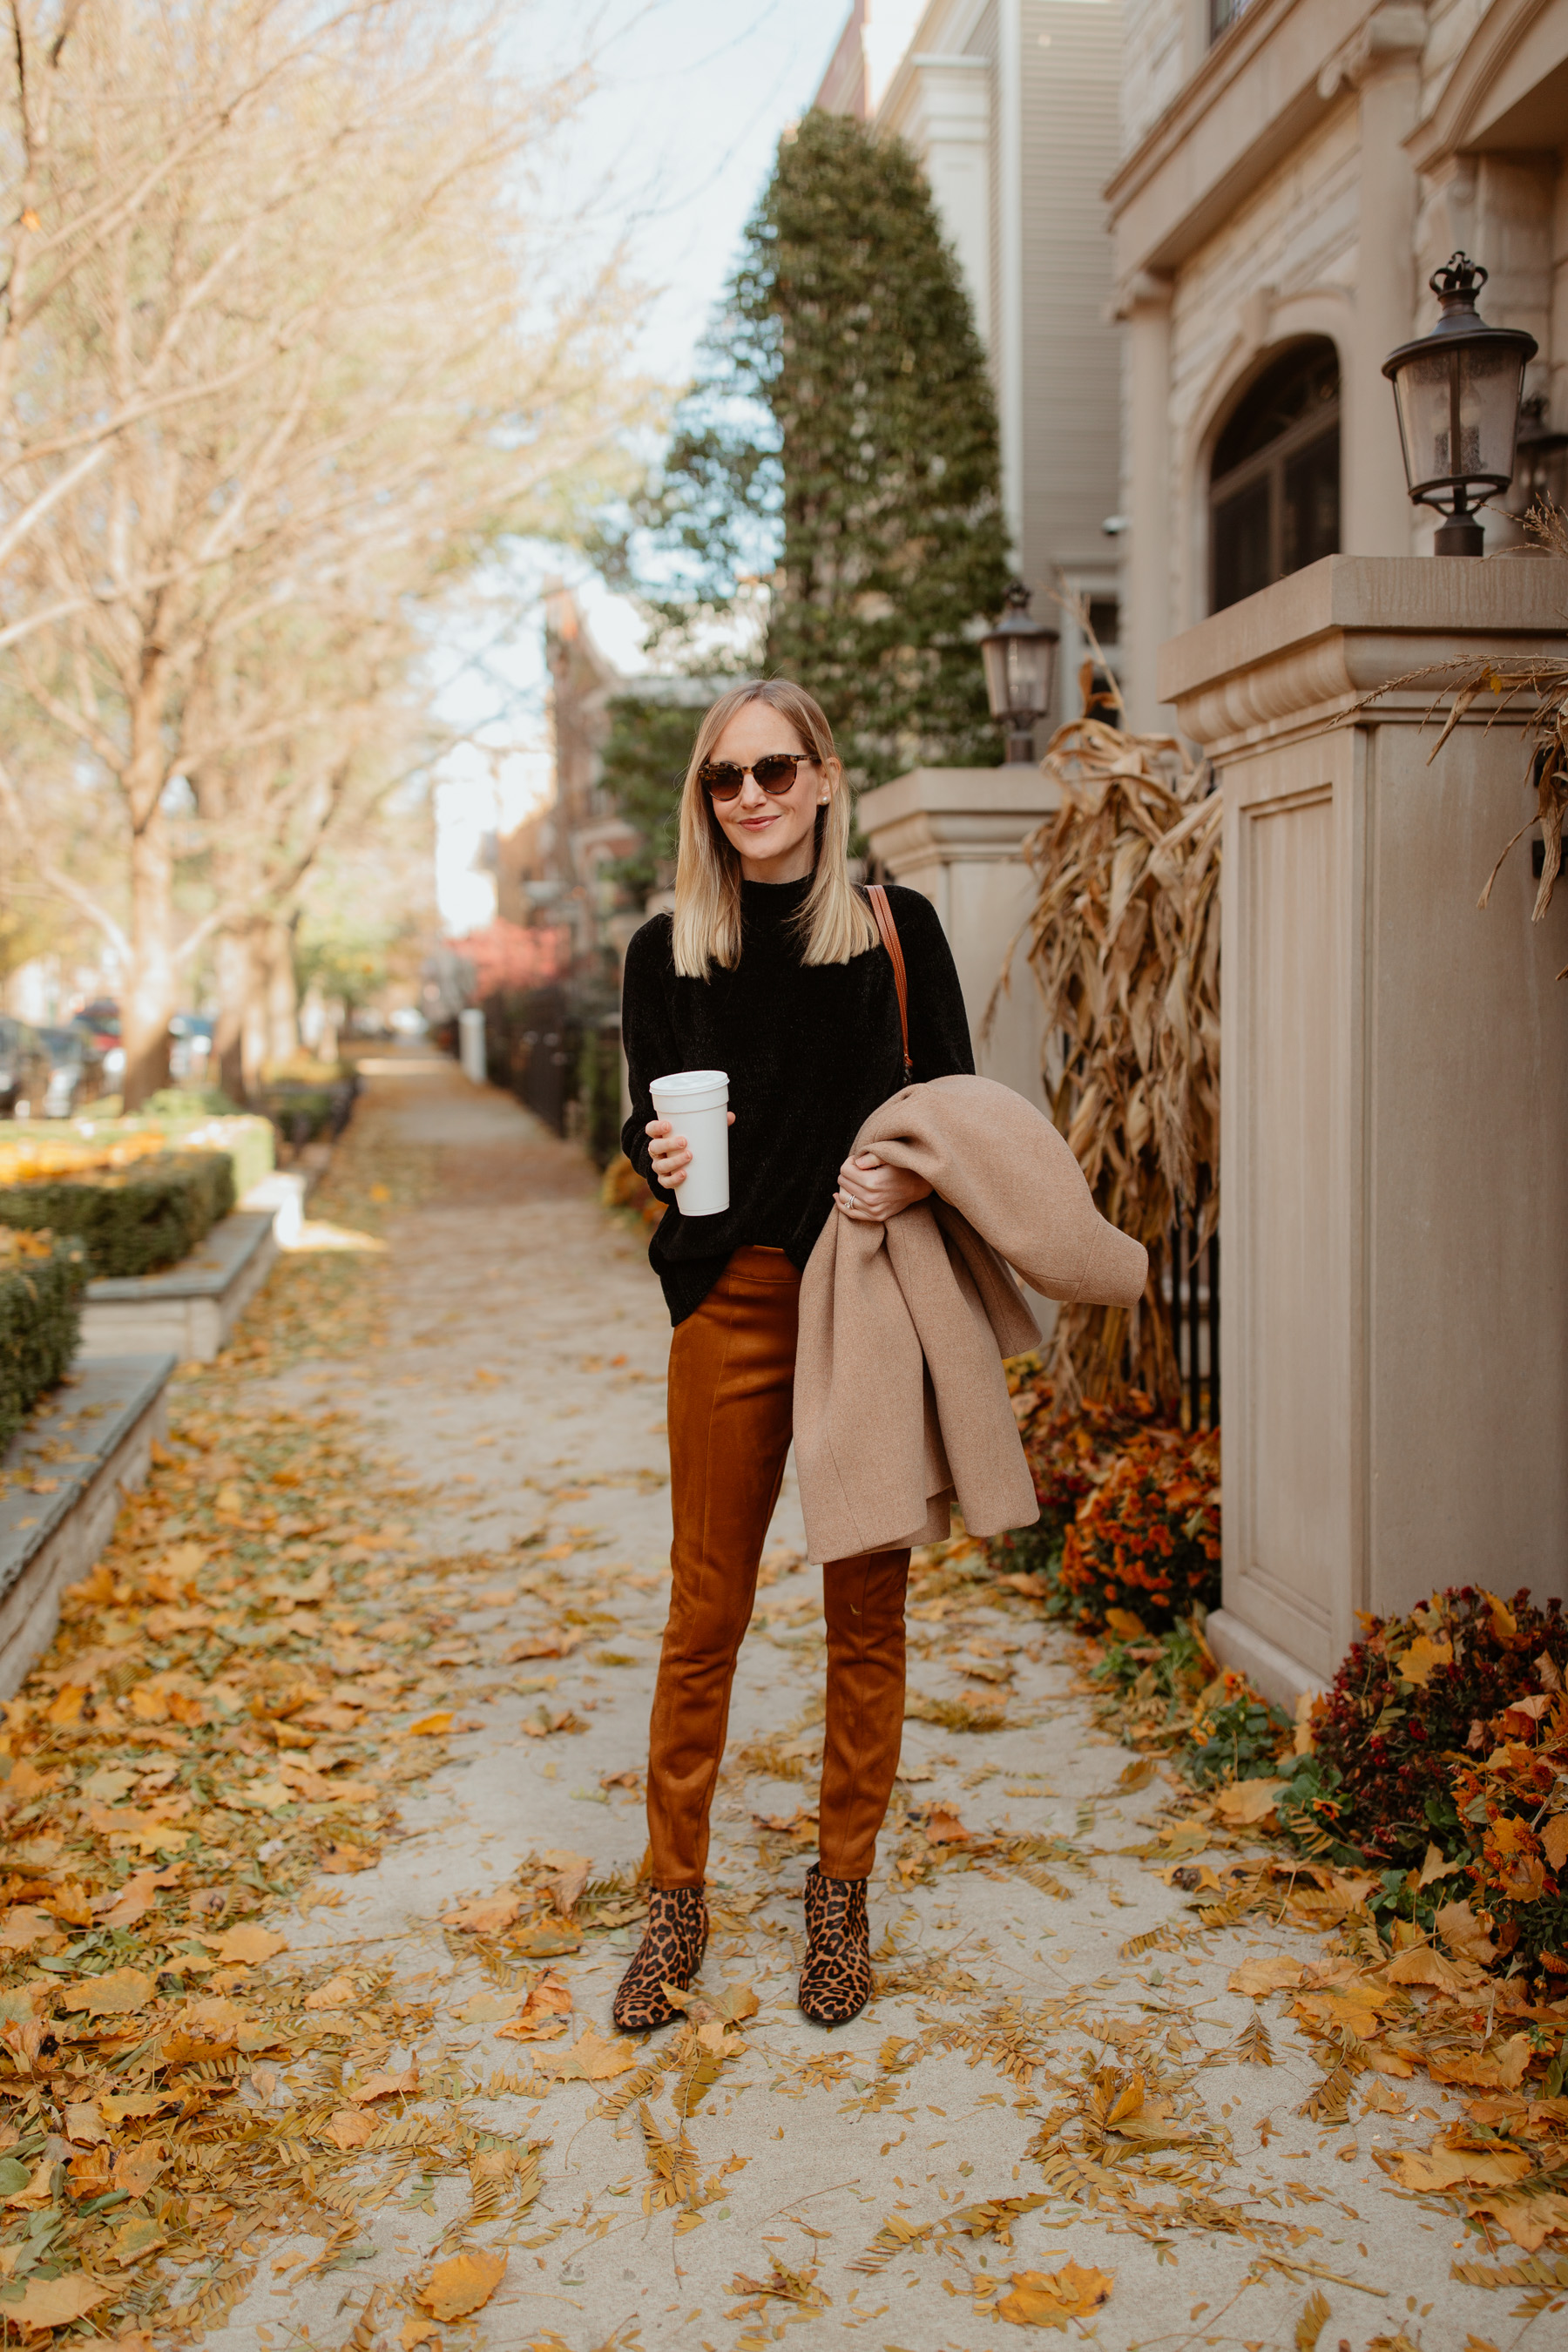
(247, 1138)
(40, 1319)
(134, 1220)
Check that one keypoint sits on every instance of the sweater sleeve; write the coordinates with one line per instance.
(939, 1025)
(648, 1037)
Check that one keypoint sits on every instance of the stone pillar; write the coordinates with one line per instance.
(957, 835)
(1374, 507)
(1394, 1109)
(1146, 547)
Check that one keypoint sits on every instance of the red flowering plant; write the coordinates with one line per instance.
(1071, 1452)
(1513, 1804)
(1146, 1539)
(1416, 1699)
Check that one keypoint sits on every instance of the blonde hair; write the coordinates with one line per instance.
(834, 922)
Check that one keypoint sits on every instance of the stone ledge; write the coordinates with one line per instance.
(190, 1309)
(1275, 1672)
(103, 1424)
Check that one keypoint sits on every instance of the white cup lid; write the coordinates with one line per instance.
(689, 1082)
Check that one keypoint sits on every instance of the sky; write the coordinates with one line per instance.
(666, 158)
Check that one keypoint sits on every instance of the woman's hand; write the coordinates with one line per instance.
(671, 1154)
(869, 1194)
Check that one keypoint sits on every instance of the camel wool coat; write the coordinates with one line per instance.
(900, 1399)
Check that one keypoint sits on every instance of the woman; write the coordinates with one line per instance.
(770, 969)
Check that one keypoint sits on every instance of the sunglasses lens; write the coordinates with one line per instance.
(722, 779)
(775, 773)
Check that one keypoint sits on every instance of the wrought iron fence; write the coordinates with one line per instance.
(559, 1049)
(1192, 1301)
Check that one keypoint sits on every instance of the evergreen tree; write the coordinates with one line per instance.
(642, 767)
(843, 433)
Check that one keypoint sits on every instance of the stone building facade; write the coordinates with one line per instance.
(1292, 172)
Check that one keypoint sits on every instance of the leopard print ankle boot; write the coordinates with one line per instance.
(836, 1982)
(670, 1952)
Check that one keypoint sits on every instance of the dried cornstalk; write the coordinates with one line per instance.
(1124, 942)
(1541, 682)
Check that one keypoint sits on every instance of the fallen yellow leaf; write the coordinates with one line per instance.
(24, 1926)
(1428, 1968)
(490, 1915)
(457, 2287)
(136, 2169)
(135, 2237)
(114, 1994)
(1128, 2103)
(1050, 2298)
(1500, 2068)
(548, 2002)
(1416, 1664)
(1463, 1933)
(386, 2086)
(1275, 1973)
(349, 2127)
(569, 1877)
(591, 2059)
(331, 1995)
(430, 1726)
(341, 1856)
(246, 1942)
(37, 2191)
(1436, 1866)
(1248, 1802)
(1453, 2167)
(55, 2302)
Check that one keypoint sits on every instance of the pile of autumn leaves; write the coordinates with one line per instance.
(229, 1707)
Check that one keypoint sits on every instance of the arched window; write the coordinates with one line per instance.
(1274, 484)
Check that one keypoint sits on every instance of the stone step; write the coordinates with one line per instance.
(191, 1308)
(62, 1480)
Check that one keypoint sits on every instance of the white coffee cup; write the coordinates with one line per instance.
(695, 1103)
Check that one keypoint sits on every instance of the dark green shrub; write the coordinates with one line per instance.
(133, 1220)
(41, 1282)
(189, 1102)
(1239, 1736)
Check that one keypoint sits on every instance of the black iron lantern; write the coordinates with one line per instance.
(1020, 658)
(1543, 476)
(1457, 392)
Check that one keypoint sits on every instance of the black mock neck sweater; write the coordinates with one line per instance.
(810, 1050)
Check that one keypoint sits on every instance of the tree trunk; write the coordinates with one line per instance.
(149, 996)
(282, 993)
(234, 973)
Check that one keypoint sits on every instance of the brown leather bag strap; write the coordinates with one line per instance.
(889, 929)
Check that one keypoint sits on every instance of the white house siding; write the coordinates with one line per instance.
(1071, 356)
(1154, 63)
(982, 43)
(1284, 263)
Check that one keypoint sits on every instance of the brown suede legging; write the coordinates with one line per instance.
(731, 1370)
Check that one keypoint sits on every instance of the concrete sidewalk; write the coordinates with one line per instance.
(522, 1387)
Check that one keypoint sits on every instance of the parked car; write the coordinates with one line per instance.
(190, 1047)
(99, 1021)
(23, 1070)
(76, 1071)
